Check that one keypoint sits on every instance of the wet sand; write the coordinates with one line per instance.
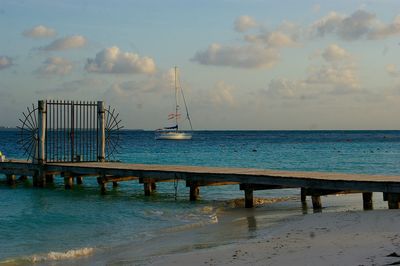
(339, 238)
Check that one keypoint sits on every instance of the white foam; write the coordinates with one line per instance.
(55, 256)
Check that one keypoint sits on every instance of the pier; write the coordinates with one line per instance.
(77, 140)
(313, 184)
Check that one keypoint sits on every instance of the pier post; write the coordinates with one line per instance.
(102, 183)
(115, 184)
(68, 182)
(147, 188)
(316, 202)
(11, 179)
(49, 178)
(23, 178)
(393, 200)
(248, 198)
(385, 197)
(194, 192)
(303, 195)
(153, 186)
(101, 140)
(79, 180)
(39, 179)
(367, 200)
(41, 132)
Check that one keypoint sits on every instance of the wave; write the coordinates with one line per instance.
(50, 256)
(258, 202)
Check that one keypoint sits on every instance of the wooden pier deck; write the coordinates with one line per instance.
(312, 184)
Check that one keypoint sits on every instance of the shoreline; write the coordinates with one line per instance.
(335, 238)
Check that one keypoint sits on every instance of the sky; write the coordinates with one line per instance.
(243, 64)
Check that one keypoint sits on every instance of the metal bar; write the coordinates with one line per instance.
(80, 128)
(87, 132)
(64, 131)
(68, 131)
(46, 140)
(72, 130)
(57, 132)
(90, 132)
(93, 132)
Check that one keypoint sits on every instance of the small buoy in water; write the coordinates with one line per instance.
(254, 150)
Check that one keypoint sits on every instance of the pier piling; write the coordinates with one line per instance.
(248, 198)
(39, 179)
(79, 180)
(316, 202)
(303, 195)
(68, 182)
(367, 200)
(11, 179)
(148, 188)
(194, 192)
(393, 200)
(49, 178)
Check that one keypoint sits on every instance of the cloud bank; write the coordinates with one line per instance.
(113, 60)
(39, 32)
(359, 25)
(70, 42)
(55, 66)
(258, 50)
(5, 62)
(244, 23)
(249, 56)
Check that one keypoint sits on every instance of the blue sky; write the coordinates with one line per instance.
(244, 64)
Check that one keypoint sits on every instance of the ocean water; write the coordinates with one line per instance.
(80, 226)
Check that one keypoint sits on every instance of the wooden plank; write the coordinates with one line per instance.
(311, 180)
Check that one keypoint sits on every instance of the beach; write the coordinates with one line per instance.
(55, 226)
(339, 238)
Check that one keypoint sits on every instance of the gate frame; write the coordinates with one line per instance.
(42, 128)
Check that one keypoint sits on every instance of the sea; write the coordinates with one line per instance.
(54, 226)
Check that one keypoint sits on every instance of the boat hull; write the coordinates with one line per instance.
(173, 136)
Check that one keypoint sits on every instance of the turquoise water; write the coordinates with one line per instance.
(53, 224)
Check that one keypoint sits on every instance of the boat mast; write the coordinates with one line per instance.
(176, 102)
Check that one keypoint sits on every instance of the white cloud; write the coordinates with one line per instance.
(39, 32)
(284, 88)
(5, 62)
(335, 53)
(71, 42)
(316, 8)
(383, 31)
(249, 56)
(113, 60)
(55, 66)
(243, 23)
(258, 50)
(327, 24)
(339, 72)
(159, 83)
(222, 94)
(359, 25)
(275, 39)
(392, 70)
(335, 75)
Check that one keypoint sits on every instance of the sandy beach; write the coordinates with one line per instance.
(341, 238)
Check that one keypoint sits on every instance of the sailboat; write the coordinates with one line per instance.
(173, 132)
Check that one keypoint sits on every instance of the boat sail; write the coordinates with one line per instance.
(174, 132)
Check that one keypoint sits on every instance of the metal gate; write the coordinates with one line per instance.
(70, 131)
